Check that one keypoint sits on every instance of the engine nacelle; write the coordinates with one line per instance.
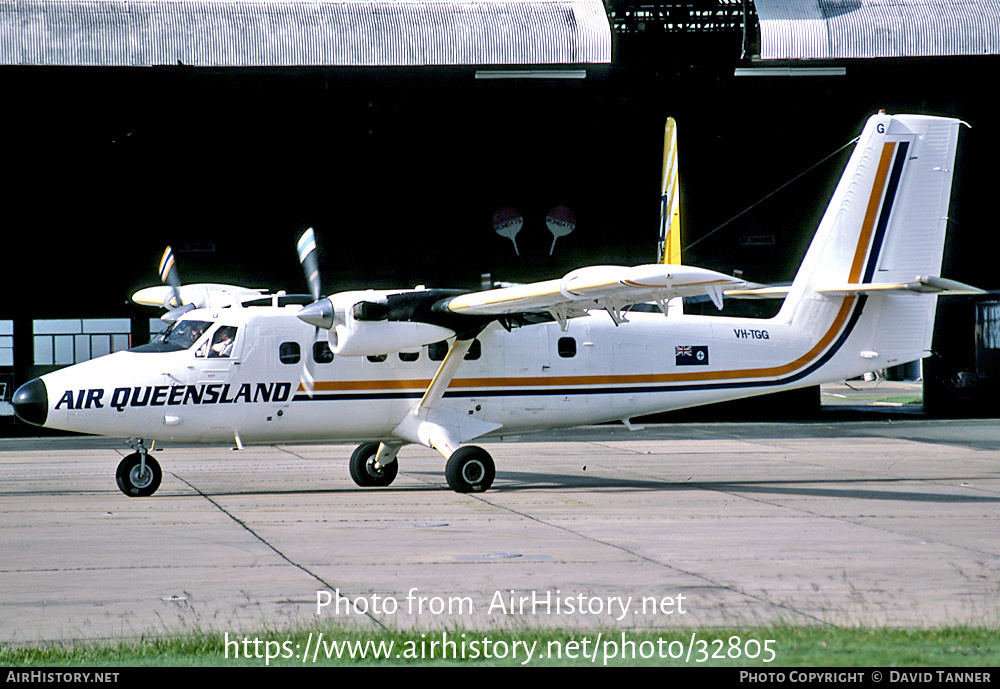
(359, 338)
(359, 326)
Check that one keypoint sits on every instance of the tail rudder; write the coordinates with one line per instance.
(882, 233)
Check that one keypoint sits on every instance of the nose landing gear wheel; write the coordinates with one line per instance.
(366, 473)
(135, 481)
(470, 470)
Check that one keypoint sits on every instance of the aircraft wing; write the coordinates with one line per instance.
(598, 287)
(759, 292)
(202, 295)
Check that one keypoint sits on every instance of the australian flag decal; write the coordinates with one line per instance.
(691, 356)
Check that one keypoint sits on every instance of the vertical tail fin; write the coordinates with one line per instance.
(885, 227)
(669, 250)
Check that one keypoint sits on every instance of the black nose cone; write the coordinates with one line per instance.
(31, 402)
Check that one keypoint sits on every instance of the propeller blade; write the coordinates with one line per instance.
(307, 381)
(170, 276)
(310, 264)
(174, 314)
(317, 355)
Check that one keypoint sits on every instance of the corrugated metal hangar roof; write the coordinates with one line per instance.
(241, 33)
(834, 29)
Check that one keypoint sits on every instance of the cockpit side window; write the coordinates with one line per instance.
(222, 342)
(184, 334)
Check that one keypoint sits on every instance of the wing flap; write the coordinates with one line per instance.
(773, 292)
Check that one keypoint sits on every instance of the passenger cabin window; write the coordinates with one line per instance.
(289, 352)
(475, 351)
(322, 354)
(437, 350)
(378, 358)
(566, 347)
(409, 356)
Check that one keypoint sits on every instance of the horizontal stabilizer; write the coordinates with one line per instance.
(920, 285)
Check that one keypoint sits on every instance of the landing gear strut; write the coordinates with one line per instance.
(138, 474)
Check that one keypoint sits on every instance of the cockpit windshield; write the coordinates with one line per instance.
(184, 334)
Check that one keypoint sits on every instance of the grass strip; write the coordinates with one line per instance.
(340, 646)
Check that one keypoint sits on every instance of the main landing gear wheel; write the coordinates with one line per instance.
(135, 481)
(470, 470)
(366, 473)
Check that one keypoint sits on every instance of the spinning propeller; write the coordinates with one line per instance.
(178, 298)
(310, 264)
(320, 312)
(170, 277)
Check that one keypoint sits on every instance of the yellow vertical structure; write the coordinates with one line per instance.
(670, 208)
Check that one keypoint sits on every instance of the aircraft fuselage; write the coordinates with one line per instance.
(533, 377)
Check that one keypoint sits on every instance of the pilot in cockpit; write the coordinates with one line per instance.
(222, 342)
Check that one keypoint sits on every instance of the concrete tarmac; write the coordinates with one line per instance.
(880, 522)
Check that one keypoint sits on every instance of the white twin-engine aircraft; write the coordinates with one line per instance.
(387, 368)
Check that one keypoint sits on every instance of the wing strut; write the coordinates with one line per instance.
(446, 371)
(439, 427)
